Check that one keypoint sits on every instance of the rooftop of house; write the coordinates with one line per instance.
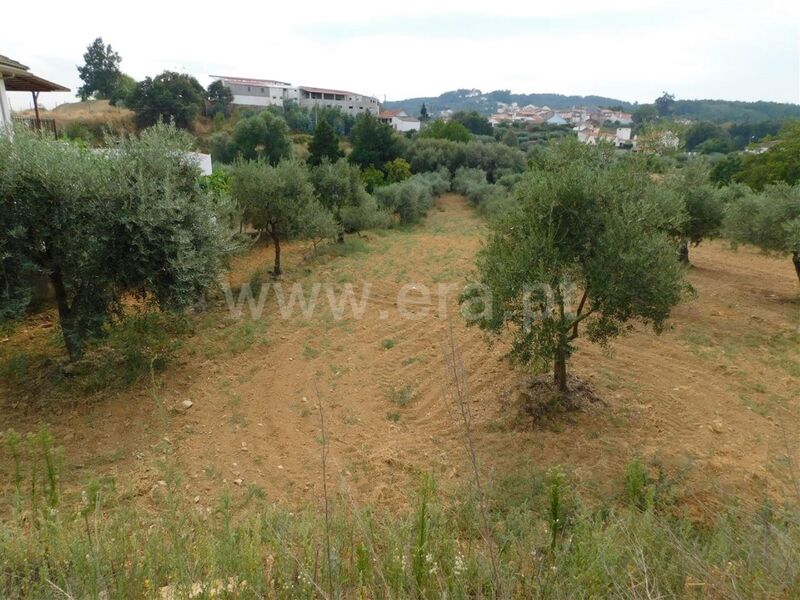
(319, 90)
(251, 81)
(18, 78)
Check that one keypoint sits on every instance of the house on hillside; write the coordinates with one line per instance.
(399, 120)
(16, 77)
(656, 142)
(268, 92)
(591, 135)
(556, 120)
(615, 116)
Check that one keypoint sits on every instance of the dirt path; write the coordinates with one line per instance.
(716, 396)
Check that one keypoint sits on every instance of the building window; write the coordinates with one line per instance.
(248, 88)
(262, 90)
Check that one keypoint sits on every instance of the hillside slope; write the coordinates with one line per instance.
(718, 111)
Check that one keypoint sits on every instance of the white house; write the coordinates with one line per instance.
(399, 120)
(268, 92)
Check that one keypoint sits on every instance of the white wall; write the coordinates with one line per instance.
(402, 126)
(256, 101)
(203, 161)
(5, 108)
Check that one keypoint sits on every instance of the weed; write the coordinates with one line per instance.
(310, 353)
(388, 344)
(402, 396)
(638, 488)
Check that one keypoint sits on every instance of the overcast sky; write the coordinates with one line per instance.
(627, 49)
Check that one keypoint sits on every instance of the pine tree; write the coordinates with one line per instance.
(324, 145)
(423, 113)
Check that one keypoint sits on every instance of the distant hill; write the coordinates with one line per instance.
(486, 103)
(735, 111)
(718, 111)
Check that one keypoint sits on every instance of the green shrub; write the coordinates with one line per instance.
(410, 200)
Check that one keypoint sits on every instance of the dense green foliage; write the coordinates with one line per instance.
(397, 170)
(476, 123)
(123, 90)
(168, 97)
(492, 199)
(100, 72)
(446, 130)
(324, 145)
(263, 135)
(495, 159)
(100, 226)
(769, 220)
(341, 190)
(219, 97)
(305, 120)
(781, 162)
(411, 199)
(374, 143)
(580, 226)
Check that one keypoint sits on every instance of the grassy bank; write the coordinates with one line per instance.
(540, 540)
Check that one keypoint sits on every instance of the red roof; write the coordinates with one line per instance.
(317, 90)
(388, 114)
(246, 81)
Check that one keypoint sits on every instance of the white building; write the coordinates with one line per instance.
(399, 120)
(259, 92)
(268, 92)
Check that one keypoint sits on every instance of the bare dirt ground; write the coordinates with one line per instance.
(714, 400)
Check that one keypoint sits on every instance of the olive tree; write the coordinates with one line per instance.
(579, 252)
(702, 203)
(338, 185)
(100, 226)
(769, 220)
(276, 199)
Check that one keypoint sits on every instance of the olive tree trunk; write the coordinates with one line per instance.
(72, 338)
(796, 261)
(276, 240)
(560, 371)
(683, 252)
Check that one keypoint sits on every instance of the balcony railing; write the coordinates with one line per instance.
(38, 124)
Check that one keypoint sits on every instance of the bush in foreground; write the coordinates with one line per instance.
(103, 225)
